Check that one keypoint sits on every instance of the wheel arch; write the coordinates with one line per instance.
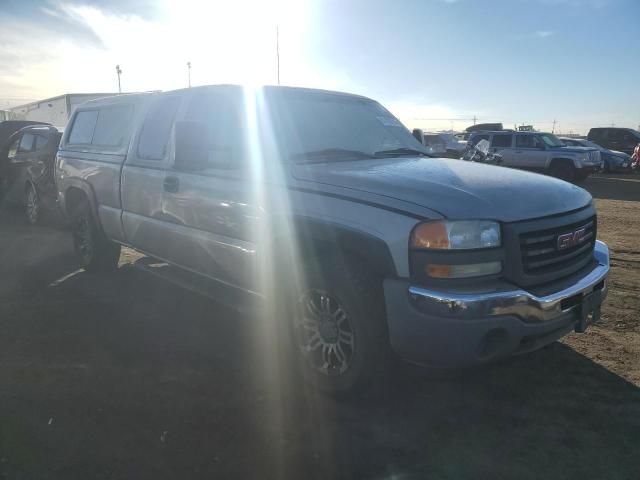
(563, 160)
(316, 238)
(74, 194)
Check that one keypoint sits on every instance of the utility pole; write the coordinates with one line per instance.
(278, 51)
(118, 72)
(553, 129)
(474, 119)
(189, 73)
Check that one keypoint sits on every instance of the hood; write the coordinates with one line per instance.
(455, 188)
(577, 149)
(617, 153)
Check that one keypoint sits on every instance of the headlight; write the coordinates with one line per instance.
(456, 235)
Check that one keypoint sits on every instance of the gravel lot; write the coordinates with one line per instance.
(126, 376)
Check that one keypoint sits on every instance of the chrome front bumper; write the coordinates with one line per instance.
(514, 302)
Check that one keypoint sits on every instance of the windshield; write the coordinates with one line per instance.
(307, 122)
(551, 140)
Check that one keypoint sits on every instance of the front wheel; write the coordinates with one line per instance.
(94, 251)
(564, 171)
(338, 328)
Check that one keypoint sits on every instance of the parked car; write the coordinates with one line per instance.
(543, 152)
(614, 138)
(356, 244)
(455, 147)
(26, 169)
(612, 161)
(9, 127)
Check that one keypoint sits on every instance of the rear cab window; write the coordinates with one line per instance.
(82, 128)
(104, 127)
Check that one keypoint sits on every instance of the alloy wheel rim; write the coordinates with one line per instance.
(324, 334)
(32, 205)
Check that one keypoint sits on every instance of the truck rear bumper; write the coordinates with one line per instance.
(449, 329)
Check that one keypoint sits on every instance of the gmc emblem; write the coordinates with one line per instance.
(568, 240)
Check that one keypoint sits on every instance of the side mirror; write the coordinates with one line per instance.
(418, 134)
(191, 148)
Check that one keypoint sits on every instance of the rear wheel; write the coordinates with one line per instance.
(94, 251)
(32, 204)
(338, 328)
(564, 171)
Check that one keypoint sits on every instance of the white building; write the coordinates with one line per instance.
(55, 110)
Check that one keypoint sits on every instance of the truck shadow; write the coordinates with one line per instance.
(145, 377)
(614, 186)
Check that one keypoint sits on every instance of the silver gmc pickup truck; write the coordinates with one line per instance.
(323, 207)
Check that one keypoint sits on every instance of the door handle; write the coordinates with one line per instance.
(171, 184)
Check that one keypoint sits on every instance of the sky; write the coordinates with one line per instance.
(436, 64)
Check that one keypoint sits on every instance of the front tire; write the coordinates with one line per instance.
(338, 329)
(94, 251)
(564, 171)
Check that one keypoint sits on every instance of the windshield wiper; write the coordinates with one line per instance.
(400, 151)
(330, 153)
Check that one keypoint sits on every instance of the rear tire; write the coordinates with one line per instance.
(337, 328)
(563, 171)
(94, 251)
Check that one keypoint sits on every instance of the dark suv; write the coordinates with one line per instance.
(26, 168)
(621, 139)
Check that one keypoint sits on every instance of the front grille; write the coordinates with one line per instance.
(594, 156)
(541, 254)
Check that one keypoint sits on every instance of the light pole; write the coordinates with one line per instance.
(118, 72)
(189, 73)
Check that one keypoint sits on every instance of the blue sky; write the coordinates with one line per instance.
(435, 63)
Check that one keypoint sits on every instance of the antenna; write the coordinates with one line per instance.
(189, 73)
(118, 72)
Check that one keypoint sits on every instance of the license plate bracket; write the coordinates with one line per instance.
(589, 310)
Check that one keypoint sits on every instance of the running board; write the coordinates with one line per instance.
(244, 302)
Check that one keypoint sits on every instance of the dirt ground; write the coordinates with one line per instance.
(126, 376)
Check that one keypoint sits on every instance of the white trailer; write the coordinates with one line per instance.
(55, 110)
